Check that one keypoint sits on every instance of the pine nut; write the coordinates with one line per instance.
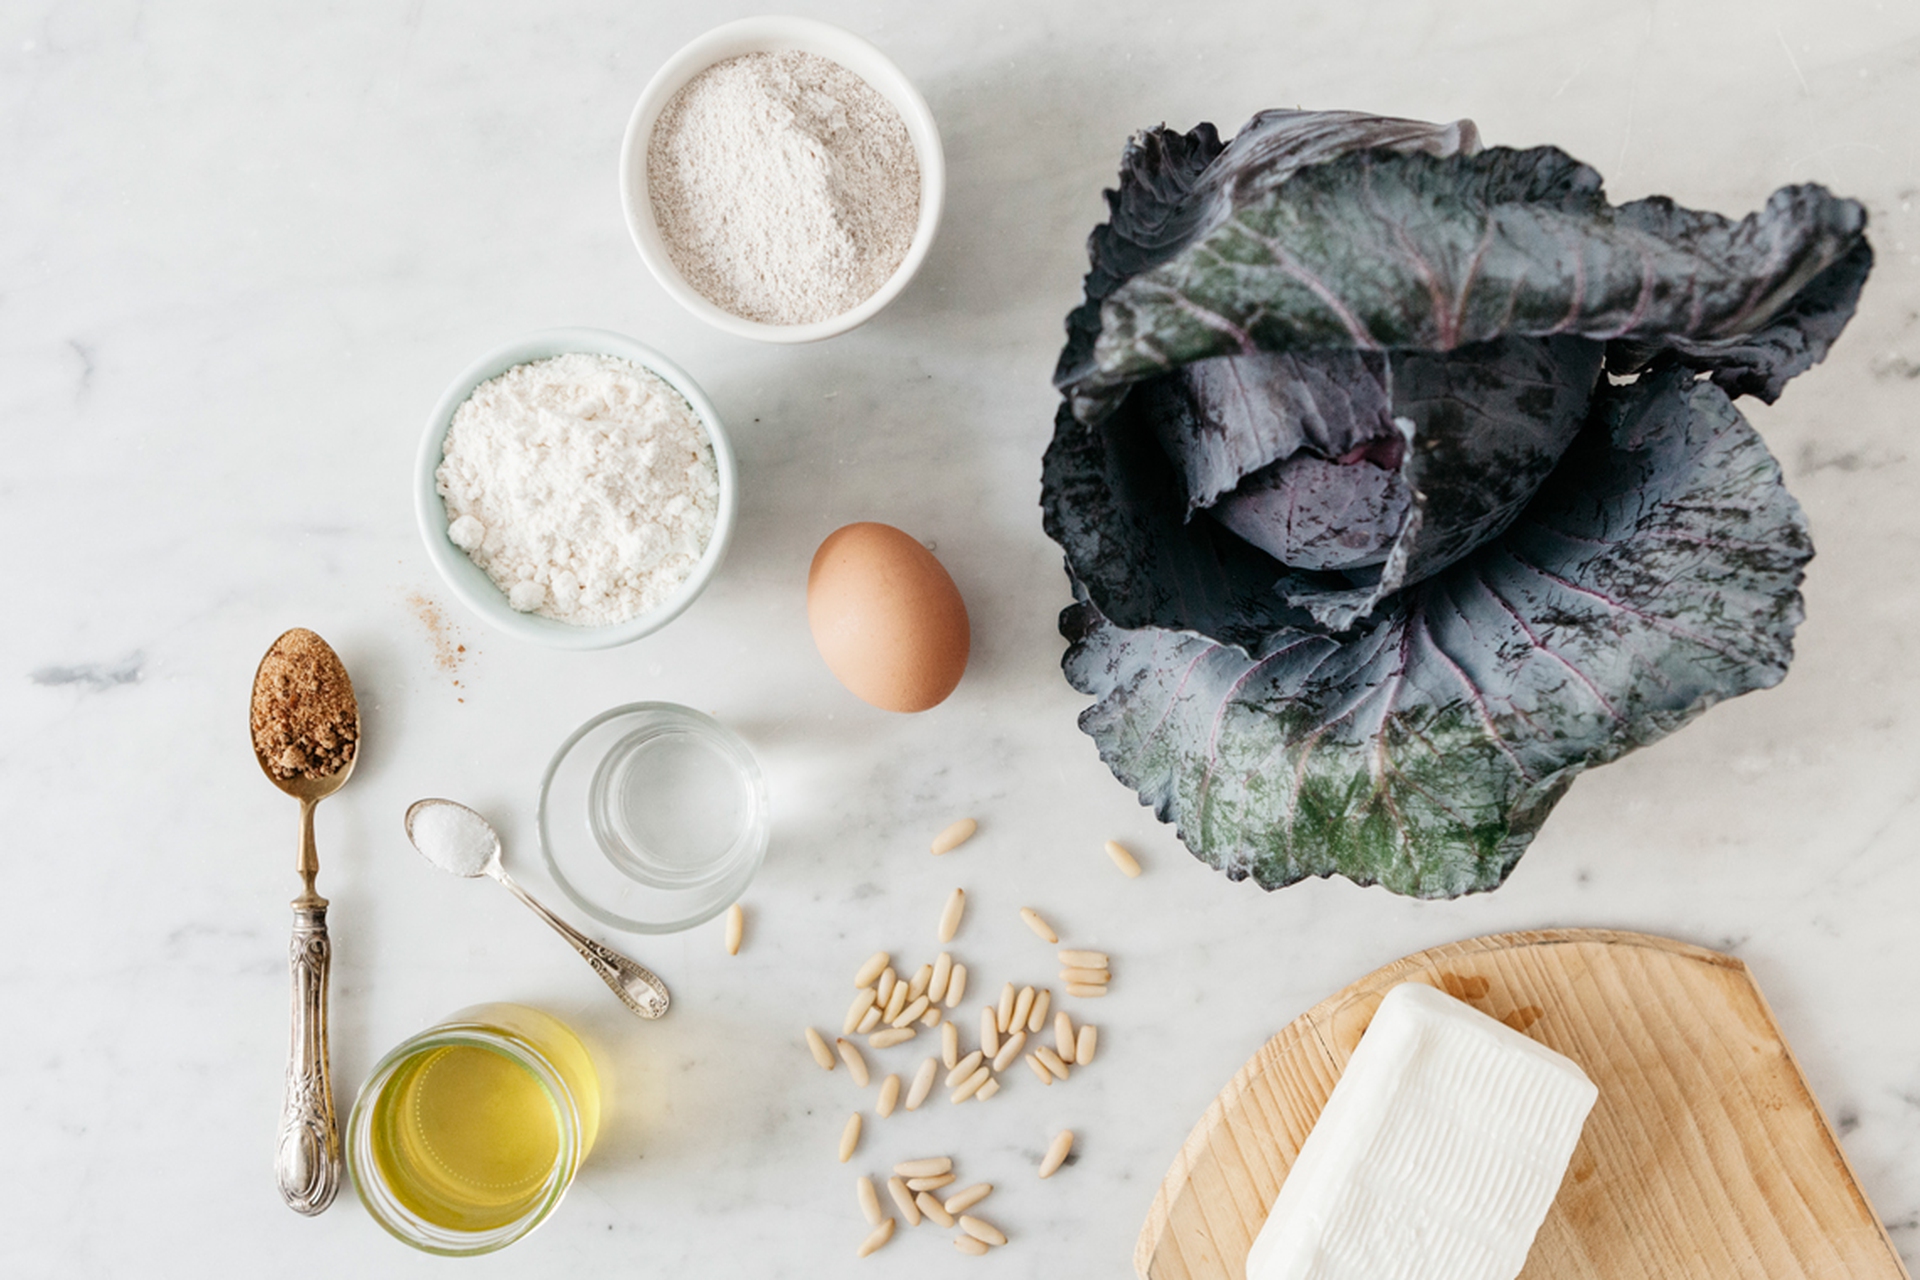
(984, 1232)
(1127, 863)
(922, 977)
(967, 1244)
(1022, 1009)
(989, 1030)
(1040, 1069)
(895, 1003)
(964, 1068)
(1086, 991)
(887, 981)
(736, 928)
(956, 986)
(870, 1019)
(1042, 1003)
(987, 1090)
(971, 1085)
(889, 1096)
(869, 971)
(961, 1201)
(881, 1234)
(862, 1002)
(869, 1199)
(1089, 1041)
(931, 1018)
(1010, 1051)
(897, 1188)
(1004, 1013)
(1063, 1037)
(1087, 977)
(933, 1209)
(922, 1084)
(856, 1065)
(950, 914)
(1039, 925)
(1057, 1153)
(850, 1137)
(1084, 959)
(952, 836)
(934, 1183)
(817, 1045)
(942, 974)
(891, 1037)
(925, 1167)
(950, 1045)
(909, 1013)
(1052, 1061)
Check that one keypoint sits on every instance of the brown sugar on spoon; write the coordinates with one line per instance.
(305, 724)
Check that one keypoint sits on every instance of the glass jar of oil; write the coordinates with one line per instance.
(466, 1136)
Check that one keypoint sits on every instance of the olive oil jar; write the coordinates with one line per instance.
(467, 1135)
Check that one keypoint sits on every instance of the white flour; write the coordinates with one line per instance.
(584, 485)
(785, 186)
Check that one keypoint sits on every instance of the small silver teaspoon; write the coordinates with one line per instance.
(461, 842)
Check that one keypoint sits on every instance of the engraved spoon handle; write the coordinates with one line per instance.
(307, 1159)
(634, 983)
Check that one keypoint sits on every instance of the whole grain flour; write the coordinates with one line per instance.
(785, 186)
(584, 485)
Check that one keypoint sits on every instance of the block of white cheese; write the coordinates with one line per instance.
(1436, 1157)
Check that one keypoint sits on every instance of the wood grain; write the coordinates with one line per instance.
(1705, 1156)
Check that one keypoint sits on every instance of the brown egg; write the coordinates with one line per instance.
(887, 617)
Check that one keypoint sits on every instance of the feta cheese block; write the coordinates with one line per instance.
(1436, 1157)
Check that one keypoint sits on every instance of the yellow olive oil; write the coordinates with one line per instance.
(467, 1135)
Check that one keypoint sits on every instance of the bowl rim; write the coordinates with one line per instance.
(470, 583)
(777, 34)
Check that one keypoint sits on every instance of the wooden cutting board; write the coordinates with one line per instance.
(1706, 1155)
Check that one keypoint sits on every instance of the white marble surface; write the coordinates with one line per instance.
(243, 246)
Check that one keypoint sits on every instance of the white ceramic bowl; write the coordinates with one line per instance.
(778, 35)
(470, 582)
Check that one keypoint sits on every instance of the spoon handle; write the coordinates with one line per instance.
(634, 983)
(307, 1160)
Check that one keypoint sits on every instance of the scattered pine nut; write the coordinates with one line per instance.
(887, 981)
(956, 986)
(1022, 1008)
(869, 1199)
(1010, 1051)
(1087, 977)
(984, 1232)
(891, 1037)
(922, 977)
(933, 1183)
(933, 1209)
(871, 969)
(931, 1018)
(967, 1244)
(1057, 1153)
(950, 1045)
(950, 914)
(922, 1084)
(1040, 1069)
(1089, 1041)
(942, 974)
(953, 836)
(862, 1002)
(897, 1188)
(961, 1201)
(1039, 926)
(850, 1137)
(971, 1085)
(1052, 1061)
(895, 1002)
(1042, 1003)
(910, 1013)
(964, 1068)
(881, 1234)
(1086, 991)
(736, 928)
(925, 1167)
(870, 1019)
(987, 1090)
(1084, 960)
(889, 1096)
(817, 1045)
(856, 1065)
(1004, 1014)
(1063, 1038)
(989, 1030)
(1128, 864)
